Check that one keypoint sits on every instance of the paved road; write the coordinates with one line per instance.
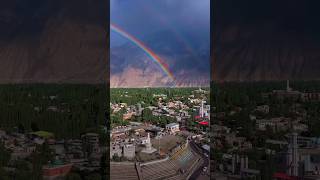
(205, 163)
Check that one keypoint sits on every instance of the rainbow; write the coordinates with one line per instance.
(153, 56)
(164, 21)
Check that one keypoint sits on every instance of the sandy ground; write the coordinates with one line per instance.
(167, 142)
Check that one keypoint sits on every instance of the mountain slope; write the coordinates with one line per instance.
(265, 40)
(131, 67)
(262, 53)
(49, 42)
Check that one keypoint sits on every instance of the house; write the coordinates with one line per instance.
(129, 151)
(128, 115)
(143, 140)
(90, 142)
(276, 124)
(263, 109)
(115, 150)
(56, 170)
(172, 128)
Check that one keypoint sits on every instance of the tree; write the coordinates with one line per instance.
(94, 176)
(46, 153)
(73, 176)
(22, 169)
(34, 126)
(104, 166)
(116, 158)
(4, 155)
(146, 115)
(3, 174)
(21, 128)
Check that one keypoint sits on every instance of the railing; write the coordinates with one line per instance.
(153, 162)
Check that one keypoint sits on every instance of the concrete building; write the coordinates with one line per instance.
(129, 151)
(56, 170)
(263, 108)
(172, 128)
(90, 142)
(74, 149)
(115, 150)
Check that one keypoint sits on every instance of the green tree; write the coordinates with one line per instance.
(146, 115)
(104, 166)
(94, 176)
(73, 176)
(3, 174)
(4, 155)
(22, 170)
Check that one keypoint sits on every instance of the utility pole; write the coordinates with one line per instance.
(159, 144)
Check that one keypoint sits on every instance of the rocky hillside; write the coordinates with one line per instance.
(54, 41)
(131, 67)
(246, 54)
(266, 40)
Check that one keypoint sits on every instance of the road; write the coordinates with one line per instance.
(195, 175)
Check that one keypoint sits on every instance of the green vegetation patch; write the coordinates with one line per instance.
(43, 134)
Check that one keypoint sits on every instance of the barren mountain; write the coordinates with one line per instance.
(262, 53)
(265, 40)
(54, 41)
(131, 67)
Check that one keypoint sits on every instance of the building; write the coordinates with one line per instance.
(22, 152)
(115, 150)
(74, 149)
(307, 97)
(129, 151)
(55, 170)
(309, 160)
(172, 128)
(148, 149)
(263, 109)
(128, 115)
(289, 93)
(90, 142)
(204, 110)
(143, 140)
(276, 124)
(120, 131)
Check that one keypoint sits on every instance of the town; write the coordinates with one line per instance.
(84, 154)
(53, 132)
(160, 133)
(266, 130)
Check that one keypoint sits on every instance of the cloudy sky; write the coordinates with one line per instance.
(176, 30)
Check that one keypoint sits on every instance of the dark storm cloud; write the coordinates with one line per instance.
(144, 17)
(176, 30)
(19, 16)
(25, 19)
(286, 15)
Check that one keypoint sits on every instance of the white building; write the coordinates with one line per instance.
(263, 108)
(115, 150)
(172, 128)
(143, 140)
(129, 151)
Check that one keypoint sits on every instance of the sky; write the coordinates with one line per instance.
(183, 26)
(144, 17)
